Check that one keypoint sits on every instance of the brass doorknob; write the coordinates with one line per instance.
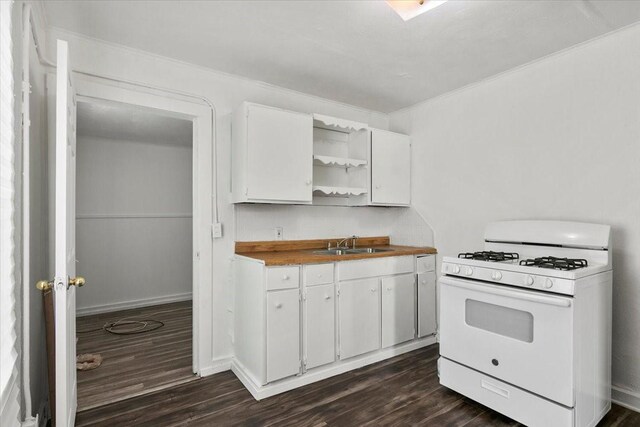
(77, 281)
(44, 285)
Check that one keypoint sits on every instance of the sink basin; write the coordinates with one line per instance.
(367, 250)
(332, 252)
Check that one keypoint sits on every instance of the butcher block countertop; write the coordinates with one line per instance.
(285, 252)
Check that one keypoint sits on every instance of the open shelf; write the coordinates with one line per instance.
(327, 191)
(337, 161)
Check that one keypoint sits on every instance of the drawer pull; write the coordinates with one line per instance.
(495, 389)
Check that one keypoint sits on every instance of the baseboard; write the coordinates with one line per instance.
(260, 392)
(216, 366)
(10, 403)
(125, 305)
(31, 422)
(627, 398)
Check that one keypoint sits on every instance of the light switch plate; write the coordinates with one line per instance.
(278, 233)
(216, 230)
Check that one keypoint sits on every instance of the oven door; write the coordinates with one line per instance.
(521, 337)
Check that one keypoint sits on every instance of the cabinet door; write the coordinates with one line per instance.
(398, 309)
(280, 155)
(359, 320)
(320, 326)
(283, 334)
(390, 168)
(426, 304)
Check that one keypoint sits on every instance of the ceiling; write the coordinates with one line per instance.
(127, 123)
(358, 52)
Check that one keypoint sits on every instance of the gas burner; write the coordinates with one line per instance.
(490, 256)
(555, 263)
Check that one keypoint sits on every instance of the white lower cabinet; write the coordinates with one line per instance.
(359, 317)
(398, 309)
(290, 319)
(426, 304)
(319, 326)
(283, 334)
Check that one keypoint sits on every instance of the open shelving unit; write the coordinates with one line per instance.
(340, 161)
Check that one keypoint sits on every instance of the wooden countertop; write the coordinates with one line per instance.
(286, 252)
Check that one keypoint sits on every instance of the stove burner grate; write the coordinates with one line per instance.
(555, 263)
(490, 256)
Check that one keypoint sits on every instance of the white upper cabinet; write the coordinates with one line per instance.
(272, 155)
(390, 168)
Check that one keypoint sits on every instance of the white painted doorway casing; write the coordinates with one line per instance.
(65, 254)
(91, 89)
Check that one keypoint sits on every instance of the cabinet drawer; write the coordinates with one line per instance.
(350, 270)
(426, 263)
(283, 278)
(513, 402)
(317, 274)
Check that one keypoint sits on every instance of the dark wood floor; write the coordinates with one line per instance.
(399, 391)
(135, 364)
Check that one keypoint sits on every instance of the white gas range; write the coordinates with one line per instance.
(525, 325)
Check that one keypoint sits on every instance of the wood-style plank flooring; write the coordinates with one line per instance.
(395, 392)
(135, 364)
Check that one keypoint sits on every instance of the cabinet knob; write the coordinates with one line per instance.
(389, 289)
(424, 281)
(327, 297)
(285, 277)
(377, 187)
(279, 305)
(308, 182)
(373, 289)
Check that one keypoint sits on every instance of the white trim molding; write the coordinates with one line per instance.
(10, 403)
(217, 365)
(626, 398)
(339, 367)
(126, 305)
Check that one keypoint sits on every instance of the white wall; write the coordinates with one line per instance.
(134, 225)
(558, 139)
(227, 92)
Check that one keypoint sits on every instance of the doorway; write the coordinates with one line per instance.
(134, 241)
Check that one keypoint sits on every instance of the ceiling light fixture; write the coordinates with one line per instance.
(408, 9)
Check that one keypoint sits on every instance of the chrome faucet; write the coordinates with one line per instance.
(353, 242)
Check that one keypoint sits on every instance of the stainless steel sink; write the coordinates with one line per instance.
(367, 250)
(332, 252)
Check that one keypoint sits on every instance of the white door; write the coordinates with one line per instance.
(320, 326)
(426, 304)
(398, 309)
(359, 317)
(390, 168)
(64, 246)
(521, 337)
(280, 151)
(283, 334)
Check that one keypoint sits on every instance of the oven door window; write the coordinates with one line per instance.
(509, 322)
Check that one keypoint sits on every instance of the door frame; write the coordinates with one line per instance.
(91, 89)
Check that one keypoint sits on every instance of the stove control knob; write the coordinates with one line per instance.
(528, 281)
(455, 269)
(468, 271)
(496, 275)
(548, 283)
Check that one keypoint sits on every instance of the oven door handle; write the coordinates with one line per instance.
(496, 290)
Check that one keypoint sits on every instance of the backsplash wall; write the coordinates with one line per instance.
(258, 222)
